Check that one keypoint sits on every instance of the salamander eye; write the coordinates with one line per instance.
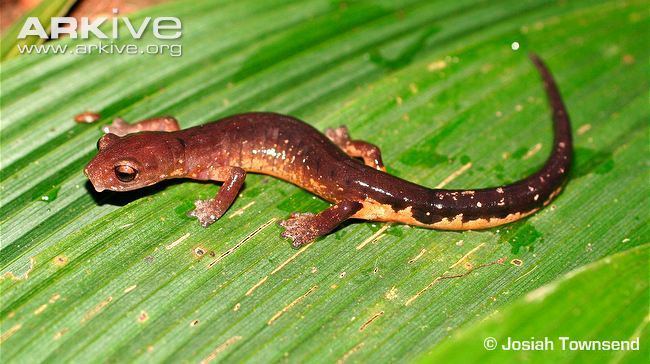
(125, 173)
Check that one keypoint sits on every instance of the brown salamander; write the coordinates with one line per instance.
(132, 156)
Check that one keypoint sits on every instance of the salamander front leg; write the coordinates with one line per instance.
(303, 228)
(120, 127)
(356, 148)
(209, 211)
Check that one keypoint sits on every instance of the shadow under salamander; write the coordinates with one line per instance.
(123, 198)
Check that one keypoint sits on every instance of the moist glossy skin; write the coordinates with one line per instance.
(289, 149)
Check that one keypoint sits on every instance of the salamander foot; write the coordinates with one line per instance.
(206, 211)
(303, 228)
(356, 148)
(120, 127)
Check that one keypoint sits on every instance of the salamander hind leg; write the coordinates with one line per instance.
(303, 228)
(120, 127)
(356, 148)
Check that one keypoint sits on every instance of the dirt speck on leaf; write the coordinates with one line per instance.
(371, 320)
(60, 333)
(391, 294)
(219, 349)
(96, 310)
(20, 276)
(345, 356)
(60, 260)
(7, 334)
(55, 297)
(87, 117)
(199, 251)
(40, 309)
(286, 308)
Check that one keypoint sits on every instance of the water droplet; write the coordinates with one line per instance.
(49, 195)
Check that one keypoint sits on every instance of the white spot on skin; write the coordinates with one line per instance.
(536, 197)
(479, 204)
(500, 190)
(438, 206)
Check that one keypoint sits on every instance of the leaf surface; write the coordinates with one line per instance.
(436, 85)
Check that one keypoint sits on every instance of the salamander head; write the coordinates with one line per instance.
(134, 161)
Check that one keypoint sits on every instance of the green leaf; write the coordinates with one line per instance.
(437, 85)
(603, 301)
(44, 11)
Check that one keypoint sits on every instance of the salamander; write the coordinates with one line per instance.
(346, 172)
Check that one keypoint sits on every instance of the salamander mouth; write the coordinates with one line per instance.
(97, 187)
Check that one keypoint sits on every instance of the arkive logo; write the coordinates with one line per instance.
(165, 27)
(119, 36)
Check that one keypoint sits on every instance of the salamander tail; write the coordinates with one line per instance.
(484, 208)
